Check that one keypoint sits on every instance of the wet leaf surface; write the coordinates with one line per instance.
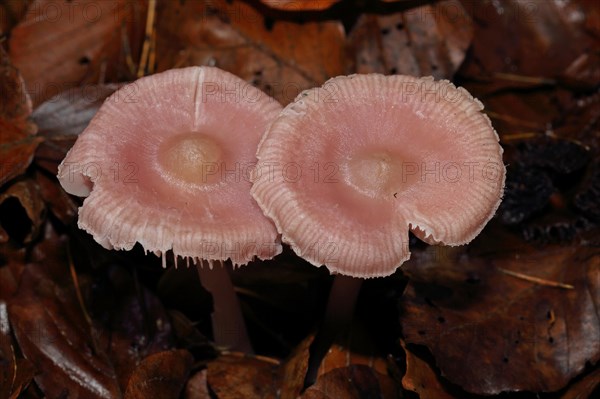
(428, 40)
(92, 36)
(491, 331)
(281, 58)
(237, 376)
(161, 375)
(586, 388)
(353, 382)
(55, 336)
(197, 387)
(517, 310)
(18, 140)
(22, 210)
(421, 378)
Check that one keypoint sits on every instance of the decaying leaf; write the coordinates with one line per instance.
(23, 210)
(17, 139)
(238, 376)
(63, 117)
(281, 58)
(69, 113)
(586, 388)
(197, 387)
(421, 378)
(56, 199)
(428, 40)
(161, 375)
(353, 382)
(54, 335)
(64, 44)
(491, 329)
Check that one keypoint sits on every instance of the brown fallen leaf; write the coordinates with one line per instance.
(12, 264)
(162, 375)
(293, 371)
(11, 12)
(8, 365)
(63, 117)
(426, 40)
(69, 113)
(130, 321)
(507, 34)
(421, 378)
(585, 388)
(27, 213)
(18, 140)
(63, 44)
(353, 382)
(15, 372)
(54, 335)
(491, 332)
(281, 58)
(236, 376)
(351, 349)
(197, 387)
(57, 200)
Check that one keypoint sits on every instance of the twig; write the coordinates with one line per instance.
(524, 79)
(147, 38)
(536, 280)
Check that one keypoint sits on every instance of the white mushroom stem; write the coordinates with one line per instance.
(229, 328)
(338, 315)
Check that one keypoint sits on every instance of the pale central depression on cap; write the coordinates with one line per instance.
(192, 158)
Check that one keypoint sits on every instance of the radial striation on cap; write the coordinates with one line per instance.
(348, 169)
(166, 162)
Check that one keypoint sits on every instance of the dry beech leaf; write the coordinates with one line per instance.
(69, 113)
(427, 40)
(15, 373)
(63, 44)
(421, 378)
(131, 321)
(491, 331)
(161, 375)
(11, 12)
(235, 376)
(293, 370)
(27, 193)
(587, 387)
(281, 58)
(54, 335)
(12, 264)
(353, 352)
(8, 366)
(508, 38)
(353, 382)
(197, 387)
(18, 140)
(17, 150)
(63, 117)
(57, 200)
(555, 29)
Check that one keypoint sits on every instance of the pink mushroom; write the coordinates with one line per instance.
(348, 169)
(165, 163)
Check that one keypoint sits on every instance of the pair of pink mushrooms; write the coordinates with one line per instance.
(342, 175)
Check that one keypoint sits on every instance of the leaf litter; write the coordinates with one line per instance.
(517, 310)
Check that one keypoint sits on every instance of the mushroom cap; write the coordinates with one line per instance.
(347, 169)
(166, 162)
